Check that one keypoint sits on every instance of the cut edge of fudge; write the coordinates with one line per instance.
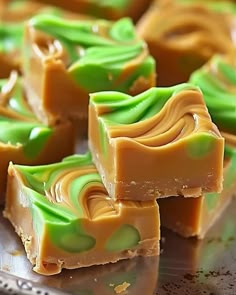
(79, 220)
(195, 216)
(154, 126)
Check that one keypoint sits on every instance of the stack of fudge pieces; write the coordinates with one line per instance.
(150, 148)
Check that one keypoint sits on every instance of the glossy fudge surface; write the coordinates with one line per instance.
(113, 10)
(156, 144)
(23, 139)
(217, 80)
(92, 56)
(179, 35)
(69, 221)
(194, 216)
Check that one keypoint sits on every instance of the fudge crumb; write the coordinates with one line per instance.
(121, 288)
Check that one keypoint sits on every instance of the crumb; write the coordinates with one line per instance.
(70, 277)
(95, 279)
(121, 288)
(111, 285)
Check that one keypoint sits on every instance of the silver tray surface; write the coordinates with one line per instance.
(185, 266)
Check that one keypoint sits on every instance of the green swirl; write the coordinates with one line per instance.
(217, 81)
(99, 51)
(19, 126)
(65, 214)
(126, 109)
(86, 33)
(103, 67)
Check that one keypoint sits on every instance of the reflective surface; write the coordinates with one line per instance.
(186, 266)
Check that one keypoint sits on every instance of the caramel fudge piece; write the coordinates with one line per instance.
(23, 139)
(12, 16)
(146, 146)
(112, 10)
(69, 198)
(183, 35)
(61, 69)
(194, 216)
(218, 84)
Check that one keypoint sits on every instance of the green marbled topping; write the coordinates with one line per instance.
(18, 125)
(64, 213)
(217, 81)
(103, 68)
(99, 51)
(11, 37)
(86, 33)
(126, 109)
(212, 199)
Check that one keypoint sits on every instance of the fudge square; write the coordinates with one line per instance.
(194, 216)
(66, 219)
(159, 143)
(94, 55)
(179, 35)
(23, 139)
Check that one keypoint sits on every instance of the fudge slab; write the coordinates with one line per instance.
(179, 35)
(112, 10)
(218, 84)
(69, 221)
(62, 69)
(23, 139)
(194, 216)
(156, 144)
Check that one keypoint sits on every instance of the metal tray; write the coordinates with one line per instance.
(185, 266)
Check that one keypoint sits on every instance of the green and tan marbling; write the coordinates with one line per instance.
(217, 80)
(145, 118)
(18, 125)
(73, 221)
(102, 55)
